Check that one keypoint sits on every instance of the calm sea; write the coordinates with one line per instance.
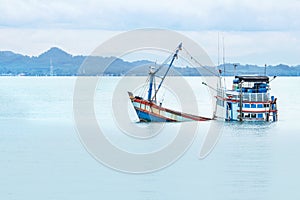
(41, 155)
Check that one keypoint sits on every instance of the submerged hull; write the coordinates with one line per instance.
(150, 112)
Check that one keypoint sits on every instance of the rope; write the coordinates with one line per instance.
(197, 62)
(143, 91)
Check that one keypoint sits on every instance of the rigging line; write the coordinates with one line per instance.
(159, 68)
(174, 56)
(143, 91)
(165, 62)
(192, 58)
(154, 84)
(162, 65)
(158, 76)
(163, 96)
(146, 86)
(197, 62)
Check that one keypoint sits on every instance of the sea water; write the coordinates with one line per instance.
(42, 156)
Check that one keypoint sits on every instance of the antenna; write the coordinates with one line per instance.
(224, 55)
(234, 65)
(218, 49)
(265, 69)
(224, 63)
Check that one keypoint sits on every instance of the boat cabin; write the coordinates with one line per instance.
(250, 100)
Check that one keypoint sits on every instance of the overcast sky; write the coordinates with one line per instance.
(255, 31)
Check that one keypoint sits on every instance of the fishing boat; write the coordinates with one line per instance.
(148, 110)
(249, 100)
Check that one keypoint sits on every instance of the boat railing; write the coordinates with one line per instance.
(254, 97)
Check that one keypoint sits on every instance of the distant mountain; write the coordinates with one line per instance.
(65, 64)
(15, 64)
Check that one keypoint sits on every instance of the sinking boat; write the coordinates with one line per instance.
(148, 110)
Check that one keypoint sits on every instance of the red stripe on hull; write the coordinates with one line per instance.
(152, 105)
(160, 116)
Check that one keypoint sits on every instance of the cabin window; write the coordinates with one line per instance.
(260, 106)
(259, 115)
(253, 115)
(247, 105)
(266, 105)
(136, 104)
(253, 105)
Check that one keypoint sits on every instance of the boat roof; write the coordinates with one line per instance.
(252, 78)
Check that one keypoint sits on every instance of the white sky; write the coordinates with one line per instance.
(255, 31)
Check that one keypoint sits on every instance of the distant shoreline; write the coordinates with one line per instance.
(57, 62)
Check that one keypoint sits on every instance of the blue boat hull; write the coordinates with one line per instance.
(148, 117)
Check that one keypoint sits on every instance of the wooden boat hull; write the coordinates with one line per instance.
(150, 112)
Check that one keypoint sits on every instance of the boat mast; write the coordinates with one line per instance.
(152, 74)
